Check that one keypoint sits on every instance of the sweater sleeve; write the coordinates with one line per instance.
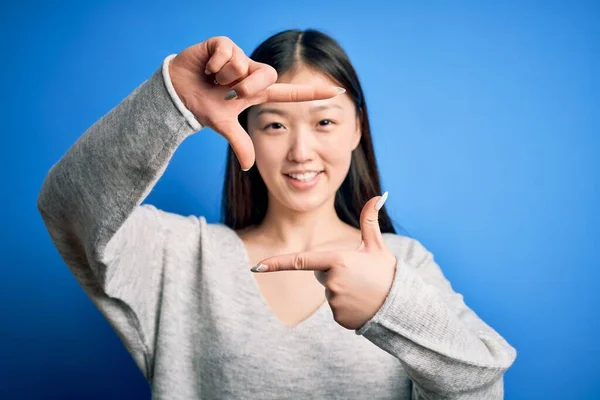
(445, 348)
(90, 202)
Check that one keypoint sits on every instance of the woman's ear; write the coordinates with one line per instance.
(357, 133)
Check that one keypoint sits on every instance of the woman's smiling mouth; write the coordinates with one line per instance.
(303, 179)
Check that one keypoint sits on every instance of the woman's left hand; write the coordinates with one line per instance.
(356, 282)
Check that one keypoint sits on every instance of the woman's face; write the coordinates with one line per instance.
(303, 150)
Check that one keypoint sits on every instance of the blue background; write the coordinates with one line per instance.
(486, 127)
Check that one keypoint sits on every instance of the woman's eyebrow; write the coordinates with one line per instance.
(325, 107)
(283, 113)
(270, 111)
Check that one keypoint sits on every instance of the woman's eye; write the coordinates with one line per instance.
(325, 122)
(274, 125)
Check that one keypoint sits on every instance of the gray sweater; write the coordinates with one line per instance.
(180, 294)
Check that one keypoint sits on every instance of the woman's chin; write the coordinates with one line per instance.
(303, 203)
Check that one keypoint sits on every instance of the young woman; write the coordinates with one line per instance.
(336, 305)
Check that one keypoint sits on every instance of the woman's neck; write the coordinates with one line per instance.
(301, 231)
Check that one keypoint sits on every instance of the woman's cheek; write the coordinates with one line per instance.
(266, 153)
(338, 154)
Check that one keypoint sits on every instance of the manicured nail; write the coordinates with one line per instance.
(232, 94)
(340, 90)
(381, 201)
(259, 268)
(207, 72)
(246, 169)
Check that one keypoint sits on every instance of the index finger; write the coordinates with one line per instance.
(304, 261)
(289, 92)
(260, 87)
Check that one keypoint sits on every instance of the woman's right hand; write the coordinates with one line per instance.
(216, 81)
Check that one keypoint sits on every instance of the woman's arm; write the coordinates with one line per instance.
(103, 178)
(90, 203)
(446, 349)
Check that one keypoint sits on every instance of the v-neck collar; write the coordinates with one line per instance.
(315, 318)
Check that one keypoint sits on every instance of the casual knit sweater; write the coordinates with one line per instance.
(180, 294)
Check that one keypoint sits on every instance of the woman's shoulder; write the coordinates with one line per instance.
(407, 248)
(185, 225)
(193, 231)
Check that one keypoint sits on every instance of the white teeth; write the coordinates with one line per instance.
(307, 176)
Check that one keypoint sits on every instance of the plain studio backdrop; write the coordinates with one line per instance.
(485, 119)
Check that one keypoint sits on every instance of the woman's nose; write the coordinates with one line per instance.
(301, 147)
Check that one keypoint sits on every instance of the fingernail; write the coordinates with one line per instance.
(381, 201)
(207, 72)
(340, 90)
(259, 268)
(246, 169)
(232, 94)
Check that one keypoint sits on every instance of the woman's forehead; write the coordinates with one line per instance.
(305, 107)
(339, 104)
(306, 76)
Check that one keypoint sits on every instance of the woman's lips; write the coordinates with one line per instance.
(303, 184)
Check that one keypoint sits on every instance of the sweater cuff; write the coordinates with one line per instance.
(389, 302)
(412, 309)
(189, 116)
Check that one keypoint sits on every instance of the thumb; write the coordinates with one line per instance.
(239, 140)
(369, 221)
